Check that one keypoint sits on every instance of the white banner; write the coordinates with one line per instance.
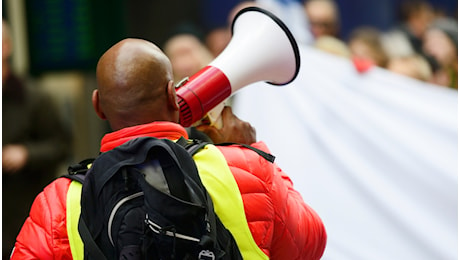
(375, 154)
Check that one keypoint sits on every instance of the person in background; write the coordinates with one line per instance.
(35, 142)
(280, 224)
(414, 66)
(365, 43)
(187, 52)
(323, 17)
(217, 38)
(440, 42)
(415, 16)
(332, 45)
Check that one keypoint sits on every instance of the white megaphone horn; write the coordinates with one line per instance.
(261, 49)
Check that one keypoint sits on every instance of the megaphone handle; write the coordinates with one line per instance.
(215, 115)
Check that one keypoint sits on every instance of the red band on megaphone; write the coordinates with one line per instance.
(204, 90)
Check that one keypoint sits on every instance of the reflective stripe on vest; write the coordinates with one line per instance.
(221, 186)
(73, 214)
(228, 203)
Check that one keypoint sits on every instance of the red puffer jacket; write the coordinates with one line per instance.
(282, 225)
(44, 234)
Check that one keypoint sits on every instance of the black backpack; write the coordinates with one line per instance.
(145, 200)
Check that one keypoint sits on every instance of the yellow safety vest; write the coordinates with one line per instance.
(73, 214)
(221, 186)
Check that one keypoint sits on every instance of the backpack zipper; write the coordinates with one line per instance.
(158, 229)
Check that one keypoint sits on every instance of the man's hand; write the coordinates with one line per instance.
(233, 130)
(14, 158)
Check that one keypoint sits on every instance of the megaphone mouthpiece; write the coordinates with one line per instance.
(202, 92)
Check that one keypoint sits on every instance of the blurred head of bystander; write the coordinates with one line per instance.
(323, 17)
(187, 52)
(440, 42)
(365, 44)
(332, 45)
(414, 66)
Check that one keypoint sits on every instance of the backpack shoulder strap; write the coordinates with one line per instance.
(192, 146)
(90, 244)
(266, 156)
(78, 171)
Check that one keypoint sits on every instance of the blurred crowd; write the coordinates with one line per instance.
(423, 44)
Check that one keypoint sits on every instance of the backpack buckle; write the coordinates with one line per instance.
(206, 255)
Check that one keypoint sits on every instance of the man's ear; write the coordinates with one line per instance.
(96, 105)
(172, 97)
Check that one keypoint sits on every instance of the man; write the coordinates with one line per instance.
(35, 141)
(137, 96)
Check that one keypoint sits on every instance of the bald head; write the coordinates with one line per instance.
(135, 85)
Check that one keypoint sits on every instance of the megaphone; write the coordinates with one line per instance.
(261, 49)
